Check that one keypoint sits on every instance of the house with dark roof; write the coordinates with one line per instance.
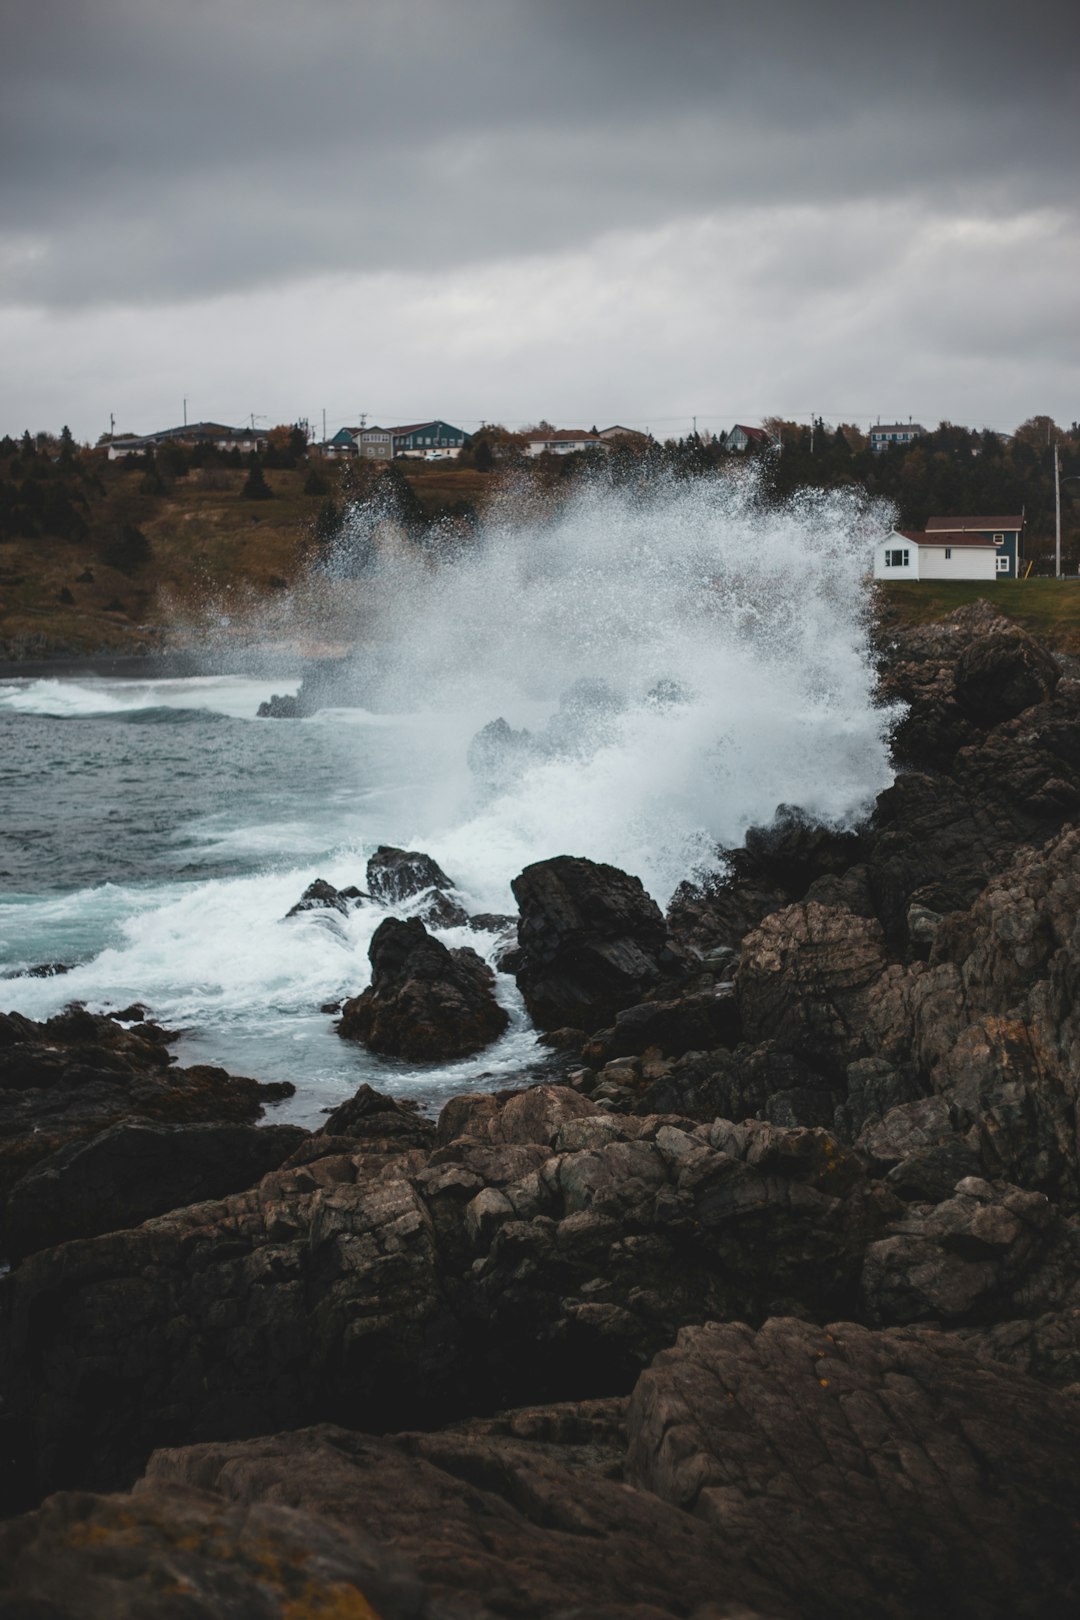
(744, 438)
(913, 554)
(190, 435)
(1005, 534)
(886, 434)
(427, 440)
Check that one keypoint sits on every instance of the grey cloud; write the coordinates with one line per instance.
(156, 152)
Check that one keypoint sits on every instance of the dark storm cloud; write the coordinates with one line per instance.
(155, 151)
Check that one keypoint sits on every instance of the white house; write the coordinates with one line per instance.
(562, 441)
(906, 555)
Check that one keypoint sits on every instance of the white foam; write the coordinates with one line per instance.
(231, 695)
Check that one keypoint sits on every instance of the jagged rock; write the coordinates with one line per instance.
(959, 1261)
(806, 979)
(692, 1024)
(79, 1073)
(719, 911)
(794, 850)
(1002, 670)
(424, 1002)
(134, 1170)
(384, 1284)
(592, 942)
(320, 896)
(770, 1438)
(395, 876)
(369, 1115)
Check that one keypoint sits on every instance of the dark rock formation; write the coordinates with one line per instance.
(320, 896)
(134, 1170)
(398, 875)
(734, 1483)
(280, 708)
(591, 940)
(73, 1077)
(424, 1002)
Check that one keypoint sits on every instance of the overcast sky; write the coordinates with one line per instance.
(585, 210)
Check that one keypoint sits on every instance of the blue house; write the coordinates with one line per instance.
(1005, 533)
(886, 434)
(427, 439)
(343, 443)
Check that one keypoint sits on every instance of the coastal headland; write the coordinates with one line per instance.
(758, 1296)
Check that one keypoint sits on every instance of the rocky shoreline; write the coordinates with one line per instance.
(765, 1304)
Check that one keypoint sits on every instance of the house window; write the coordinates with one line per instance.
(948, 553)
(999, 539)
(897, 559)
(1002, 564)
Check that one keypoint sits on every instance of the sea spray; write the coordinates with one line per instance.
(729, 637)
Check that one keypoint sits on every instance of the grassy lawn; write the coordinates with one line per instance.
(1049, 608)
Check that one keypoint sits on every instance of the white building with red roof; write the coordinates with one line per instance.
(908, 554)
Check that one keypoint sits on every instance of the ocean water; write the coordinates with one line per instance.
(670, 667)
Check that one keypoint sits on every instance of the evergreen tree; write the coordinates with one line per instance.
(255, 487)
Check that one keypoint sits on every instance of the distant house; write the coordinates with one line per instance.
(905, 554)
(563, 441)
(426, 440)
(890, 433)
(619, 432)
(375, 443)
(744, 438)
(1005, 534)
(190, 435)
(342, 444)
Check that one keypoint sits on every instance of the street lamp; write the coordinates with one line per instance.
(1058, 481)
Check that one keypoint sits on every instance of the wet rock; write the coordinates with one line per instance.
(134, 1170)
(396, 876)
(79, 1073)
(592, 942)
(425, 1002)
(716, 913)
(320, 896)
(277, 707)
(794, 850)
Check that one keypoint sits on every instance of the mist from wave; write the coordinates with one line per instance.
(671, 663)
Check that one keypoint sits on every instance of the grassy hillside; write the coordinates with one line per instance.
(213, 555)
(1049, 608)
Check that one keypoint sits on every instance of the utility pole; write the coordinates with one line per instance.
(112, 424)
(185, 411)
(812, 420)
(1057, 515)
(324, 425)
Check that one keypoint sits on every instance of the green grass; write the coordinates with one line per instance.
(1048, 608)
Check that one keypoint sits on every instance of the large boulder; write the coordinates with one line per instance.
(424, 1002)
(874, 1474)
(136, 1169)
(591, 942)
